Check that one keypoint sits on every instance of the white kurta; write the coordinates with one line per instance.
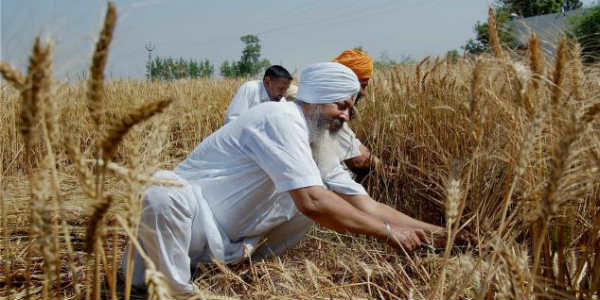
(348, 142)
(247, 96)
(236, 193)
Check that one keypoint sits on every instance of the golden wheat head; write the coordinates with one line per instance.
(36, 89)
(536, 59)
(493, 34)
(559, 70)
(115, 132)
(96, 82)
(11, 75)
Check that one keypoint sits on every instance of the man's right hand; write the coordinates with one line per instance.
(407, 238)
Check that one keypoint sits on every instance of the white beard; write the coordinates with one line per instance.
(326, 149)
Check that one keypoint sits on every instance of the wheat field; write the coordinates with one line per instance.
(505, 145)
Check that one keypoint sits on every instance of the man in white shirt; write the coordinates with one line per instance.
(255, 186)
(272, 87)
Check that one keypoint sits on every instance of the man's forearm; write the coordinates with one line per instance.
(402, 219)
(387, 213)
(329, 210)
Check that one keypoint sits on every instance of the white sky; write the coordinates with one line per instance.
(293, 33)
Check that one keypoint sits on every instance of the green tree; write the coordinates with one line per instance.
(530, 8)
(452, 56)
(171, 69)
(206, 69)
(250, 63)
(587, 32)
(229, 70)
(385, 61)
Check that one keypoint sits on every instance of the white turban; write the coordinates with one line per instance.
(327, 82)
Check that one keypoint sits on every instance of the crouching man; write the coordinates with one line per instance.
(255, 185)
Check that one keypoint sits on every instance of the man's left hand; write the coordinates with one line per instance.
(462, 238)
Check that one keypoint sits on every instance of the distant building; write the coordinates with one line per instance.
(549, 29)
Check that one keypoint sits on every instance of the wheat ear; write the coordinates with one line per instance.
(558, 74)
(11, 75)
(96, 82)
(577, 73)
(536, 64)
(536, 59)
(493, 34)
(116, 131)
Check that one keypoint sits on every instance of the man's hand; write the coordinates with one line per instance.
(407, 238)
(463, 237)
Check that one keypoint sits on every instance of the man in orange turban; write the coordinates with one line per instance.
(359, 158)
(360, 62)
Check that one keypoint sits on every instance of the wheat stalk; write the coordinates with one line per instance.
(96, 98)
(35, 94)
(551, 199)
(94, 229)
(454, 195)
(493, 34)
(476, 98)
(49, 136)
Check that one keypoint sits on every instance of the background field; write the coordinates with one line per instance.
(512, 139)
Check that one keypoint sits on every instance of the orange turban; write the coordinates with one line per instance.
(360, 62)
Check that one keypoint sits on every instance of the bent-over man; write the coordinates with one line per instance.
(272, 87)
(255, 186)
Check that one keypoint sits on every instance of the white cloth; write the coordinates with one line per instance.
(178, 231)
(247, 96)
(235, 194)
(348, 143)
(340, 181)
(327, 82)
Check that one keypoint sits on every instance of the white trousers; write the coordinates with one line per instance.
(178, 231)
